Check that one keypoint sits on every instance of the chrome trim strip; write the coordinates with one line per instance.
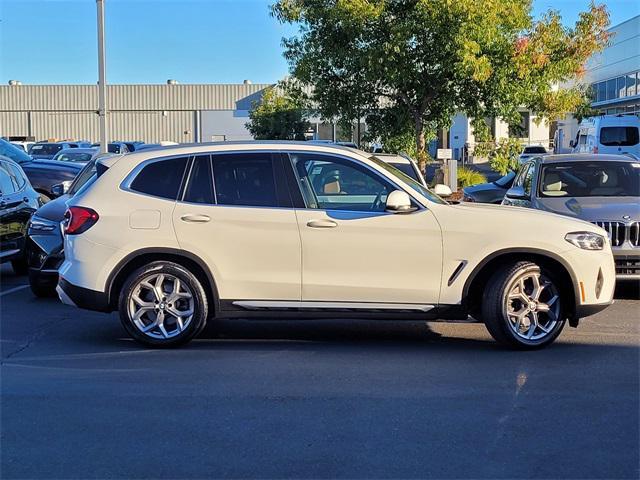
(276, 304)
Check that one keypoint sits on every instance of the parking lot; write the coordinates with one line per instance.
(314, 399)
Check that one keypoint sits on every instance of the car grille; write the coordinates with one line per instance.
(627, 267)
(619, 232)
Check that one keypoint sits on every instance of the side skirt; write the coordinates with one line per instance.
(272, 309)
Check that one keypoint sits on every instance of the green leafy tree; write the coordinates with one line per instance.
(504, 157)
(410, 65)
(280, 114)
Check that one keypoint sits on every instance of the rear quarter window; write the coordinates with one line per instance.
(161, 178)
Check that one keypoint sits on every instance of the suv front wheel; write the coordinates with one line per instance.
(163, 304)
(523, 306)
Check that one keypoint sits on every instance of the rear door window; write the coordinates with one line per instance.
(199, 187)
(7, 186)
(246, 179)
(161, 178)
(619, 136)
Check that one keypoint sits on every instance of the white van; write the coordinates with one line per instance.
(612, 134)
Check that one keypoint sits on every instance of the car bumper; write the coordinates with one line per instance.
(627, 265)
(80, 297)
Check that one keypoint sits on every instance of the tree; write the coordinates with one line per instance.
(410, 65)
(280, 114)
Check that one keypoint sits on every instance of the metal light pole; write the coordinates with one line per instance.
(102, 79)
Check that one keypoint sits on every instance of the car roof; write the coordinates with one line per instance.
(392, 158)
(586, 157)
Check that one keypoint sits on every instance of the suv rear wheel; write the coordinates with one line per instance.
(523, 306)
(163, 304)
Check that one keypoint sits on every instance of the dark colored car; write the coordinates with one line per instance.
(44, 245)
(18, 201)
(48, 150)
(43, 174)
(132, 146)
(492, 192)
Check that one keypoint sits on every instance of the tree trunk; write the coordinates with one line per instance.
(421, 145)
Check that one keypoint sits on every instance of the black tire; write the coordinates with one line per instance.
(39, 288)
(194, 326)
(20, 266)
(495, 301)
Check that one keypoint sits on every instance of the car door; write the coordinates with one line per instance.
(352, 250)
(15, 210)
(236, 214)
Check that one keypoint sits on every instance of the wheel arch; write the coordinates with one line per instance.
(141, 257)
(472, 290)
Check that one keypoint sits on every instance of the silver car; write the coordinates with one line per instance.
(601, 189)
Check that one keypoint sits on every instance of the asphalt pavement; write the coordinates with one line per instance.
(314, 399)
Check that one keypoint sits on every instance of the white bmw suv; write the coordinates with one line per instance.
(175, 237)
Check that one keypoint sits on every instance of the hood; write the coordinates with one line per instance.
(54, 210)
(594, 209)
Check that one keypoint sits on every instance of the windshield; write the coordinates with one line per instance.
(45, 149)
(14, 153)
(422, 190)
(407, 169)
(590, 179)
(73, 157)
(507, 180)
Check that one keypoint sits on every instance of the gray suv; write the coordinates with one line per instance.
(601, 189)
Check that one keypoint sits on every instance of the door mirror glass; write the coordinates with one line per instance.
(399, 202)
(442, 190)
(58, 190)
(517, 193)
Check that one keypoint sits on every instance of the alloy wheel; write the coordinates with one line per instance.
(532, 306)
(161, 306)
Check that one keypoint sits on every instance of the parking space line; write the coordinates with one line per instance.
(14, 289)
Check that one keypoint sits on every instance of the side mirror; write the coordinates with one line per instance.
(517, 193)
(59, 189)
(442, 190)
(572, 143)
(399, 202)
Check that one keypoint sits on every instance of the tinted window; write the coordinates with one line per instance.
(339, 184)
(86, 174)
(200, 185)
(528, 178)
(534, 150)
(161, 179)
(590, 179)
(73, 157)
(245, 179)
(45, 149)
(17, 176)
(622, 136)
(7, 186)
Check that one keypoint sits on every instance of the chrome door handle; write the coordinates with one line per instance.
(195, 218)
(322, 224)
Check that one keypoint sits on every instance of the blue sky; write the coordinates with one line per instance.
(149, 41)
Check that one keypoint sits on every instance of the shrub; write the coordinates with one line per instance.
(468, 177)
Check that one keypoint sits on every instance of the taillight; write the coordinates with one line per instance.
(78, 220)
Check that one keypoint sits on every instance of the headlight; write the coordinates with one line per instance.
(586, 240)
(40, 225)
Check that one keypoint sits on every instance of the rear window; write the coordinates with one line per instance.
(45, 149)
(161, 178)
(619, 136)
(245, 179)
(74, 157)
(534, 150)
